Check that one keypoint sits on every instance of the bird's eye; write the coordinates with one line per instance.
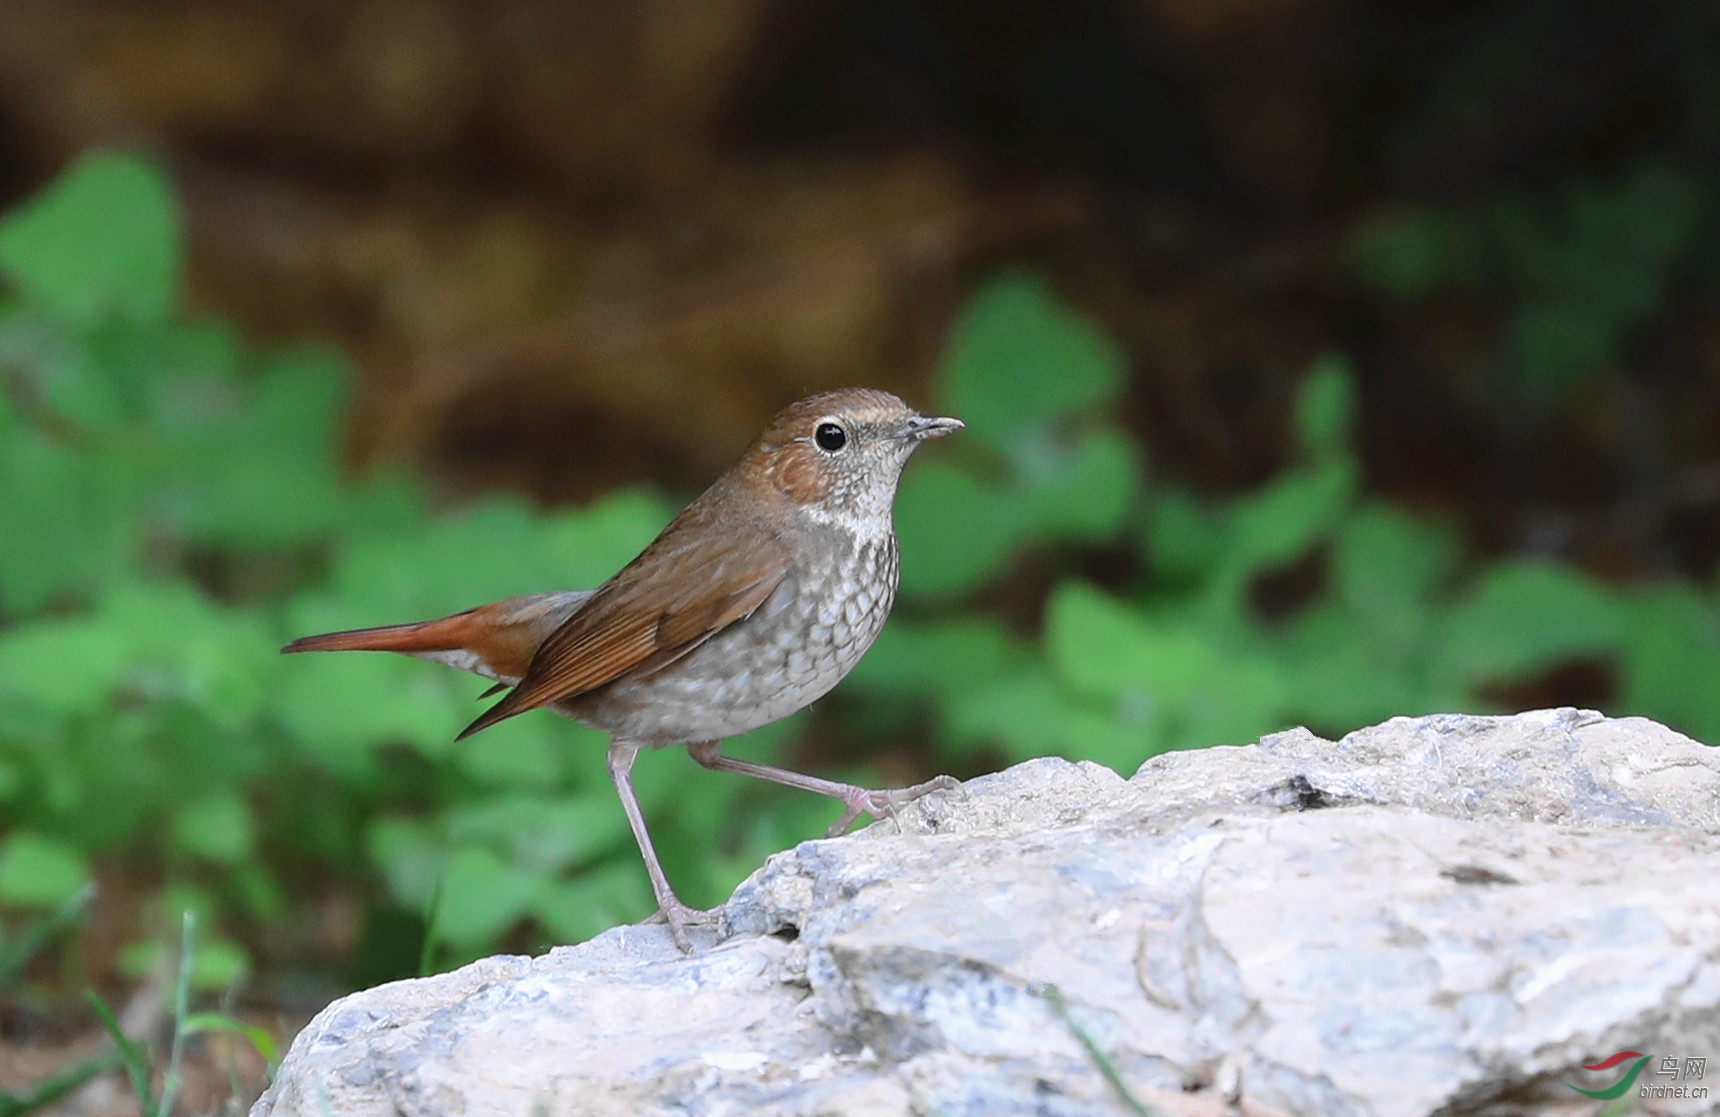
(830, 437)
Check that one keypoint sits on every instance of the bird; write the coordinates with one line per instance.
(755, 601)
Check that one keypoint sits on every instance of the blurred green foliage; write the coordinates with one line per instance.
(171, 511)
(1581, 266)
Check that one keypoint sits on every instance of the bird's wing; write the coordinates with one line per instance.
(689, 584)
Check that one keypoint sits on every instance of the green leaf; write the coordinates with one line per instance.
(517, 753)
(1018, 361)
(671, 786)
(218, 828)
(937, 659)
(204, 1022)
(955, 531)
(663, 777)
(1671, 659)
(261, 471)
(177, 899)
(65, 524)
(1383, 557)
(1173, 684)
(1248, 696)
(483, 552)
(340, 708)
(218, 966)
(1029, 715)
(101, 242)
(1280, 522)
(1078, 492)
(64, 667)
(573, 911)
(188, 649)
(539, 834)
(1025, 712)
(585, 546)
(1185, 539)
(1120, 739)
(1342, 676)
(410, 854)
(1526, 616)
(1326, 407)
(160, 643)
(38, 871)
(1102, 646)
(257, 892)
(482, 896)
(787, 820)
(1386, 568)
(90, 383)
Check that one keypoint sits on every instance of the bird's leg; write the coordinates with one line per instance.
(856, 800)
(673, 912)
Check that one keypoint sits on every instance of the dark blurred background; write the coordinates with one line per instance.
(578, 243)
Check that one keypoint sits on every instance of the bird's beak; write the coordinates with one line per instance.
(921, 428)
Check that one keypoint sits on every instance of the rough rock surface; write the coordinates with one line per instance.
(1438, 915)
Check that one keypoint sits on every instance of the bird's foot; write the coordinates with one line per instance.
(679, 917)
(884, 803)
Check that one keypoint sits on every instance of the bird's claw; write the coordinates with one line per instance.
(679, 917)
(884, 803)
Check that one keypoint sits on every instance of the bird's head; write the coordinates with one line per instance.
(838, 455)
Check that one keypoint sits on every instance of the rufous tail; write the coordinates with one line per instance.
(443, 635)
(497, 640)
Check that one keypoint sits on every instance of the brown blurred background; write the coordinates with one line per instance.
(573, 243)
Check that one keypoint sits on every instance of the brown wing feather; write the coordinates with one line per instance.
(689, 584)
(680, 633)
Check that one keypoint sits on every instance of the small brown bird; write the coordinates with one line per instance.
(754, 602)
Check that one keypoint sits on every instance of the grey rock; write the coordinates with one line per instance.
(1439, 915)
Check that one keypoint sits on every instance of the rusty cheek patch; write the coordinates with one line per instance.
(799, 472)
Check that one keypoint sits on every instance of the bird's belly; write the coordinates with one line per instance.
(790, 652)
